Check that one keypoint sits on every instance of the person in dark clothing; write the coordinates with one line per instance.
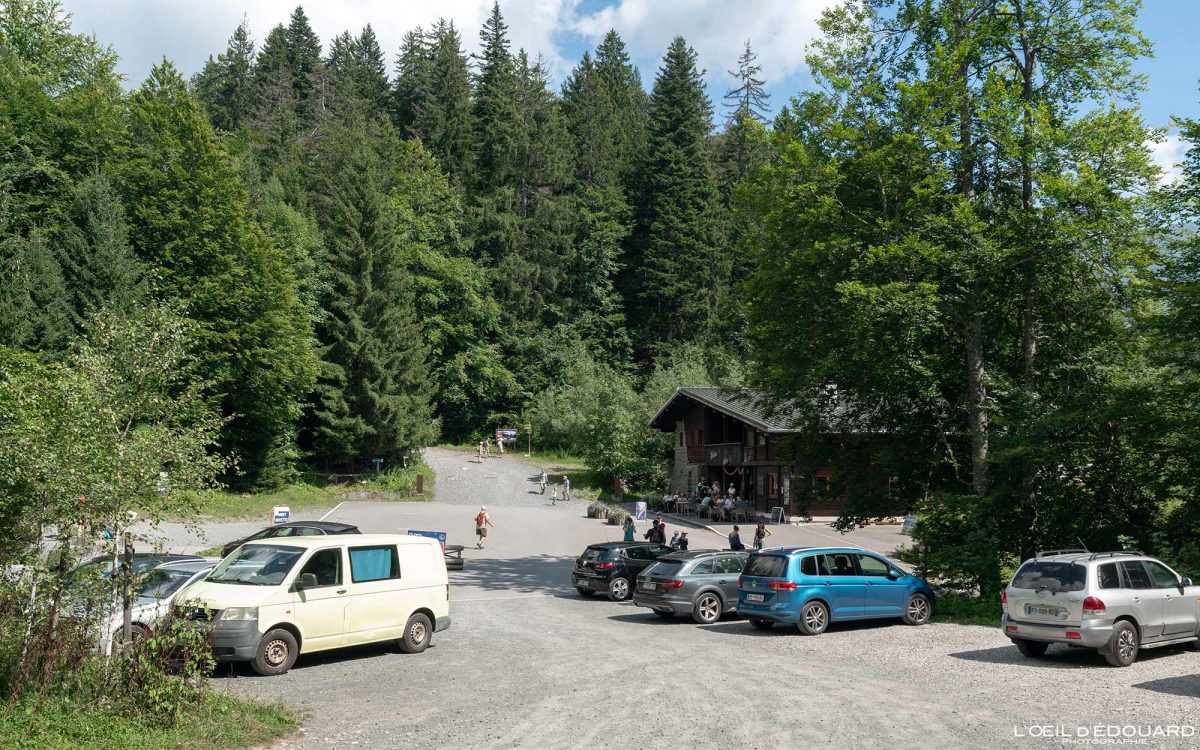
(735, 540)
(683, 540)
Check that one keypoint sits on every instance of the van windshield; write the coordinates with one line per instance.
(256, 565)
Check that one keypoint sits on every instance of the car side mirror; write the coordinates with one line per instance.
(893, 575)
(1185, 582)
(305, 581)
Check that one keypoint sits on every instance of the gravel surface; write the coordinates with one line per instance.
(528, 663)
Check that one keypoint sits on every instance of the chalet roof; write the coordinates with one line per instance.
(744, 404)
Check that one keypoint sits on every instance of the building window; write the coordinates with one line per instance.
(772, 485)
(820, 484)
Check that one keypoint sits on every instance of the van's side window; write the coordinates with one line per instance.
(808, 565)
(374, 563)
(326, 565)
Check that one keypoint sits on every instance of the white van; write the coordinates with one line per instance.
(269, 601)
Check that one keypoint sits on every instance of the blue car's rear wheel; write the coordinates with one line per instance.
(814, 618)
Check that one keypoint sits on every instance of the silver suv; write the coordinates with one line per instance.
(1116, 602)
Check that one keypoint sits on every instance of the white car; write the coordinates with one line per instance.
(156, 588)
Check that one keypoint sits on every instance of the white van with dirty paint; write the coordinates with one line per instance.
(270, 601)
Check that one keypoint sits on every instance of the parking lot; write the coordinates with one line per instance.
(528, 663)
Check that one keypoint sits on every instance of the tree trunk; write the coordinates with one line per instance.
(977, 415)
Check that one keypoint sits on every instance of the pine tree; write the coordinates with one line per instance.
(682, 271)
(189, 218)
(410, 93)
(432, 96)
(99, 266)
(495, 108)
(373, 394)
(226, 86)
(748, 104)
(304, 62)
(35, 314)
(624, 85)
(358, 73)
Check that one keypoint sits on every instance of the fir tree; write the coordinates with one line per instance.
(189, 218)
(304, 62)
(373, 393)
(226, 85)
(99, 266)
(495, 108)
(748, 103)
(682, 272)
(35, 314)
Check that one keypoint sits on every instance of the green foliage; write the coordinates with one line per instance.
(189, 218)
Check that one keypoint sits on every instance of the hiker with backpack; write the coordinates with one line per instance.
(482, 521)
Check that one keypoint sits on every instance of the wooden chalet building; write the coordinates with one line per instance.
(726, 436)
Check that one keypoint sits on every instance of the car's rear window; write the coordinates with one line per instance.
(595, 553)
(766, 566)
(665, 568)
(1051, 576)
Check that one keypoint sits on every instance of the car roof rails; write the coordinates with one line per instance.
(1118, 552)
(1052, 552)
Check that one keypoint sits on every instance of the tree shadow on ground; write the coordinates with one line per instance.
(1187, 686)
(536, 574)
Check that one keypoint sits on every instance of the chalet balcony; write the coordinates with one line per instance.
(723, 453)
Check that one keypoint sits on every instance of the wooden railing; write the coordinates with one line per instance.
(723, 453)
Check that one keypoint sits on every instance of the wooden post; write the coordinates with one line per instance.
(420, 484)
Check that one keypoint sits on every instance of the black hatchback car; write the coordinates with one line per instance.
(613, 566)
(295, 528)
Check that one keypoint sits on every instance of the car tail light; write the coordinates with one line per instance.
(605, 566)
(1093, 606)
(741, 580)
(1072, 635)
(781, 585)
(672, 584)
(1010, 628)
(1004, 597)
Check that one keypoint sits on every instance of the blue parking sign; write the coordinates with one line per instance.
(438, 535)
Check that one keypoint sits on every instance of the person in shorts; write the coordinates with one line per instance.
(482, 521)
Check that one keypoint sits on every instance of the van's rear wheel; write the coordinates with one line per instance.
(814, 618)
(276, 653)
(416, 634)
(1032, 649)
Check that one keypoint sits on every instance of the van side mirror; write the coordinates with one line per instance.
(305, 581)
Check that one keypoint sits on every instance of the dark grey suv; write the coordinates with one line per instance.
(700, 583)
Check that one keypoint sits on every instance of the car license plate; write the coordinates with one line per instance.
(754, 597)
(1038, 610)
(580, 582)
(648, 586)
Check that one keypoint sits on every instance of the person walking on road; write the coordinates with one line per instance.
(629, 529)
(761, 532)
(683, 541)
(566, 487)
(735, 540)
(542, 481)
(500, 446)
(482, 521)
(674, 541)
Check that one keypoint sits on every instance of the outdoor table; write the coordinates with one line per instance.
(453, 555)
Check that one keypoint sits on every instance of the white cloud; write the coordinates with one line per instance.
(778, 30)
(1168, 155)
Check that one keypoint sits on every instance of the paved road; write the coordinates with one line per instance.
(528, 663)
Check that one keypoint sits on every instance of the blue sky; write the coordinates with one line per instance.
(187, 31)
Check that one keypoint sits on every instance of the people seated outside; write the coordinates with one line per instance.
(727, 509)
(668, 501)
(705, 505)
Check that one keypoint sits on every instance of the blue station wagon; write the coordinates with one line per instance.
(811, 587)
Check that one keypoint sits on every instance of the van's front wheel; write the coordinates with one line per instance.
(416, 634)
(276, 653)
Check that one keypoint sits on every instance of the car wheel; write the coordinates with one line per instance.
(917, 611)
(585, 593)
(276, 653)
(814, 618)
(138, 633)
(1122, 647)
(664, 614)
(1032, 649)
(618, 589)
(761, 624)
(417, 632)
(708, 609)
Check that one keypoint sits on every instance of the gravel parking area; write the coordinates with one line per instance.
(528, 663)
